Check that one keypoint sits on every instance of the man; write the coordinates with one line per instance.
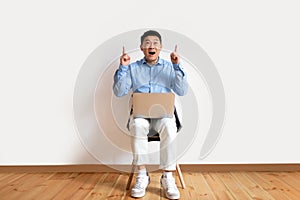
(152, 74)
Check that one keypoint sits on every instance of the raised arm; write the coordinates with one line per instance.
(122, 78)
(179, 83)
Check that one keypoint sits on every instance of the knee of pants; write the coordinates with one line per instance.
(139, 127)
(167, 126)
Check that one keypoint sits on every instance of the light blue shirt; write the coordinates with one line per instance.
(163, 77)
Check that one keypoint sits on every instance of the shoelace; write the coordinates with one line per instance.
(140, 182)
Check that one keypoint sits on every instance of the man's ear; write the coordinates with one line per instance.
(141, 47)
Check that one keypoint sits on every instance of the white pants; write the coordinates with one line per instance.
(166, 127)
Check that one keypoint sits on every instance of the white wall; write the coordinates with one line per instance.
(253, 44)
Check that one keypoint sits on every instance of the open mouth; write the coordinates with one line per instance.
(151, 52)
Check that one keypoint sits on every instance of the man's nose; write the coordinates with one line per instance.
(151, 45)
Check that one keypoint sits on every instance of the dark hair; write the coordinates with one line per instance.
(150, 33)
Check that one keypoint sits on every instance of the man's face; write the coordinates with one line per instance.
(151, 47)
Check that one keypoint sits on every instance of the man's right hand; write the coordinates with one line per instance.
(124, 59)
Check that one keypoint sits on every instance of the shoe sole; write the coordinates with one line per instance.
(172, 198)
(138, 196)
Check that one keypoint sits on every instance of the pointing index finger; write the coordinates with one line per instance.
(175, 48)
(123, 51)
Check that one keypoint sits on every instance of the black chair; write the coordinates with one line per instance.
(153, 136)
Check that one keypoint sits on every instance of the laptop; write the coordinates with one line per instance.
(153, 105)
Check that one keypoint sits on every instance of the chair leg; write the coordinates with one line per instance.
(130, 176)
(180, 176)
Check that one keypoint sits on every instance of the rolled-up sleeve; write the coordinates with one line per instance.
(122, 81)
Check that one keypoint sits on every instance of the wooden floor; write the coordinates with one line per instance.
(210, 185)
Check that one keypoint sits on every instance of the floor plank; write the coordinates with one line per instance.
(233, 187)
(290, 179)
(216, 185)
(86, 186)
(70, 189)
(25, 186)
(96, 193)
(254, 190)
(267, 186)
(280, 185)
(199, 187)
(9, 180)
(55, 184)
(205, 185)
(119, 189)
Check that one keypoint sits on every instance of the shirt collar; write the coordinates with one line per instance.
(160, 61)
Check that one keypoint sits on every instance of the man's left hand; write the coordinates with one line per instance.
(174, 56)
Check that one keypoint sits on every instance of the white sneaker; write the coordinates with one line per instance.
(170, 188)
(140, 186)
